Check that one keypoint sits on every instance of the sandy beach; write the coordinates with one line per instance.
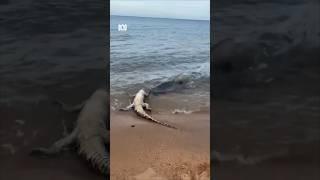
(144, 150)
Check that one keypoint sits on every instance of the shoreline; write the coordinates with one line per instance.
(171, 103)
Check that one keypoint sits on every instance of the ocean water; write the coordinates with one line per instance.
(158, 52)
(50, 45)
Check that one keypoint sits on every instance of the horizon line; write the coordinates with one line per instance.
(161, 17)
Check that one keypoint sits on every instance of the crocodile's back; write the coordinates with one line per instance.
(93, 115)
(92, 126)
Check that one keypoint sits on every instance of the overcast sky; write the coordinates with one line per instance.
(179, 9)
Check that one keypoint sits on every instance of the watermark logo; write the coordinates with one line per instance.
(122, 27)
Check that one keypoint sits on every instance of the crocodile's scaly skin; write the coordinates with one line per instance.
(90, 132)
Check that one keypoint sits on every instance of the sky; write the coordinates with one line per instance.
(177, 9)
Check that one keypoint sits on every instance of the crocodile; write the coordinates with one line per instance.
(90, 133)
(138, 105)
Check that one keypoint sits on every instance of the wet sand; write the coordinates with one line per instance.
(144, 150)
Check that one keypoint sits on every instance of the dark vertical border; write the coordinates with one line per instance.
(107, 60)
(211, 84)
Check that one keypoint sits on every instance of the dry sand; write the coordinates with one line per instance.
(142, 150)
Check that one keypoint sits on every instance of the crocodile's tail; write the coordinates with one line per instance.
(147, 116)
(94, 150)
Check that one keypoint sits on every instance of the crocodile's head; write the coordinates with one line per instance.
(145, 91)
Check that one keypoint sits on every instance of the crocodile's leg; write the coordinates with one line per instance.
(129, 107)
(146, 106)
(69, 108)
(57, 146)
